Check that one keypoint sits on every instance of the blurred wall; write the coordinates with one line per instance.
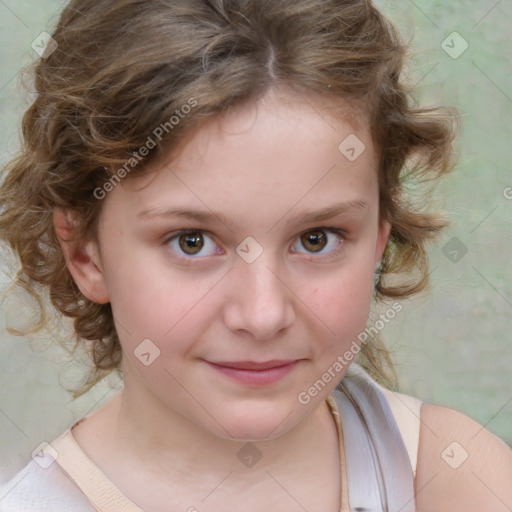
(453, 346)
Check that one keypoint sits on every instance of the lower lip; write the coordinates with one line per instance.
(256, 377)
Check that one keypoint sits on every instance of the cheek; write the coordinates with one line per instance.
(173, 311)
(144, 304)
(342, 301)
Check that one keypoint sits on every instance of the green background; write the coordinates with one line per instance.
(451, 346)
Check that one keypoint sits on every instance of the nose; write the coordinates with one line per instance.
(260, 301)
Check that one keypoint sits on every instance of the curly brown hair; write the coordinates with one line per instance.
(122, 68)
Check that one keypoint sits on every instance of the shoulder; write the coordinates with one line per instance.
(42, 486)
(461, 465)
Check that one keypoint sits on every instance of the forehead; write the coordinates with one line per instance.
(287, 103)
(284, 147)
(281, 102)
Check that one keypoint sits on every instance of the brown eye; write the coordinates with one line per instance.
(321, 242)
(191, 243)
(314, 240)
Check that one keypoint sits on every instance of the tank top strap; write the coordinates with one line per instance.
(94, 484)
(380, 476)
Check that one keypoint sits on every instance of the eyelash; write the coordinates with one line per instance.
(340, 233)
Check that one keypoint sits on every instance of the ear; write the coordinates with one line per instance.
(82, 258)
(382, 239)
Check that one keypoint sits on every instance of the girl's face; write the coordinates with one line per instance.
(278, 264)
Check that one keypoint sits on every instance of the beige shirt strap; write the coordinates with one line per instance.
(100, 491)
(406, 410)
(344, 498)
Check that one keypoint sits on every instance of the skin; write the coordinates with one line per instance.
(173, 433)
(461, 465)
(262, 166)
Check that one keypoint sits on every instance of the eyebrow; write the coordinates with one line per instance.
(207, 216)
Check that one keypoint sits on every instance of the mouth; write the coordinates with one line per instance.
(254, 365)
(254, 373)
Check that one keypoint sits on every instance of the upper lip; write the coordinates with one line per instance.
(253, 365)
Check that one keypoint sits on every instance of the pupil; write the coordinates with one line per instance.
(316, 240)
(192, 241)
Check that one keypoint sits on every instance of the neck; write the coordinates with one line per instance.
(148, 429)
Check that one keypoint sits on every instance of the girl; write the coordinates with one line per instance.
(214, 191)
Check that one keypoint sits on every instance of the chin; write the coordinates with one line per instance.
(253, 426)
(251, 433)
